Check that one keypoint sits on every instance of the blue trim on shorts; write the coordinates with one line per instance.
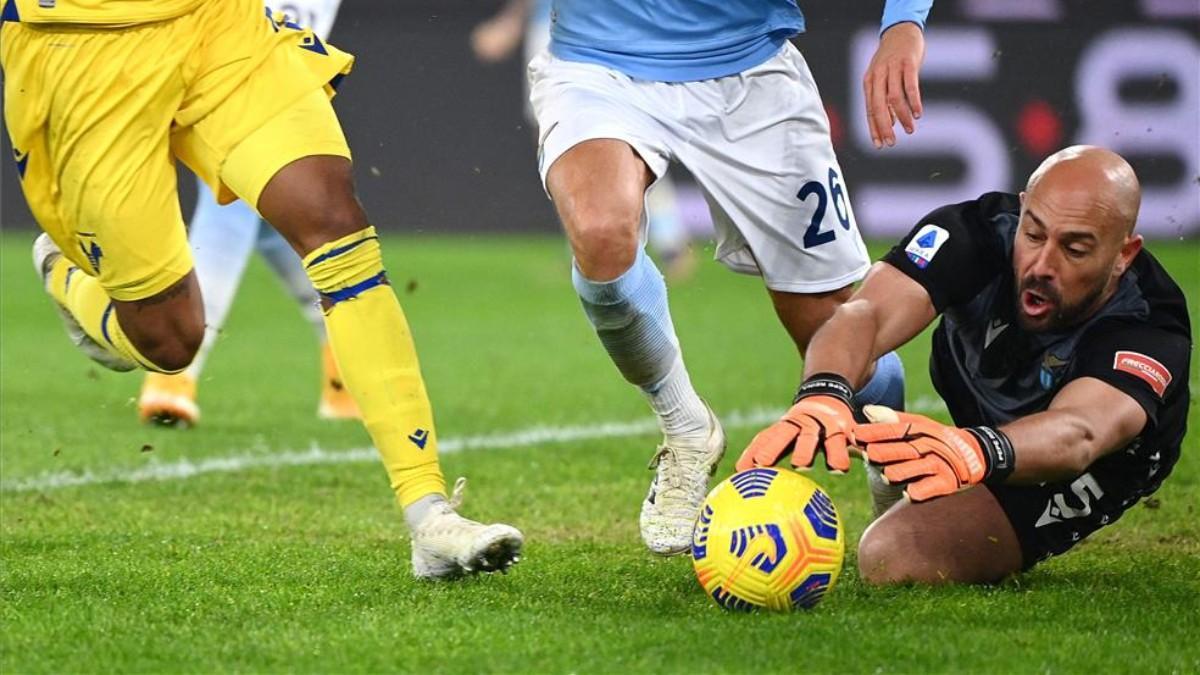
(104, 323)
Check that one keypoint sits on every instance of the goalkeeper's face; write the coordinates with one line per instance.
(1067, 260)
(1075, 238)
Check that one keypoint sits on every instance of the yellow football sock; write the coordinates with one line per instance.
(374, 349)
(84, 297)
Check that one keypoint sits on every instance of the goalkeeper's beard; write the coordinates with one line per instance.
(1063, 315)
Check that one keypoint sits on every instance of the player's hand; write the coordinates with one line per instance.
(892, 85)
(933, 459)
(496, 39)
(821, 418)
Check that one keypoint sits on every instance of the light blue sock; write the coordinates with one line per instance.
(284, 261)
(633, 322)
(886, 386)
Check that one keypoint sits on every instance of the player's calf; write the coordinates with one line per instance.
(159, 333)
(168, 328)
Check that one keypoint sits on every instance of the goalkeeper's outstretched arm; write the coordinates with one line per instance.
(887, 311)
(1087, 420)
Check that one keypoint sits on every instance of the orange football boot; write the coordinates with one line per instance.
(168, 400)
(336, 401)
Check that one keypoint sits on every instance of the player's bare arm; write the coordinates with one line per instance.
(496, 38)
(1087, 420)
(887, 311)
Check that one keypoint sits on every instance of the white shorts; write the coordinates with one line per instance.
(757, 143)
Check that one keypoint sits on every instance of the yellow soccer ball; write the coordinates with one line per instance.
(767, 538)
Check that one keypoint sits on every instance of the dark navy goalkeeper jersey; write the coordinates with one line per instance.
(990, 371)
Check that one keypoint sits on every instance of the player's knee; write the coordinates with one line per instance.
(311, 202)
(173, 349)
(889, 553)
(338, 217)
(604, 241)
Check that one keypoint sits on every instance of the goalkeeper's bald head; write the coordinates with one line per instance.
(1104, 177)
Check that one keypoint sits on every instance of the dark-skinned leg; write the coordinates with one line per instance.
(960, 538)
(311, 202)
(166, 328)
(296, 170)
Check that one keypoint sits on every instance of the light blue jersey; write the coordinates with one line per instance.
(684, 40)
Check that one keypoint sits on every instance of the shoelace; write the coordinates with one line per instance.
(436, 524)
(456, 495)
(675, 469)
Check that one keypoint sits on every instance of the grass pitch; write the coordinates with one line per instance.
(242, 562)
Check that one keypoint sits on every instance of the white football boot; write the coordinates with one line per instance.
(445, 545)
(45, 252)
(884, 495)
(682, 469)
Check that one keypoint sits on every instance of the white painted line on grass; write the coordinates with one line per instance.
(532, 436)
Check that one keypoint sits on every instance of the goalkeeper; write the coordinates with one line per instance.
(1063, 357)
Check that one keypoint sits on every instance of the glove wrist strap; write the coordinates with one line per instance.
(997, 454)
(826, 384)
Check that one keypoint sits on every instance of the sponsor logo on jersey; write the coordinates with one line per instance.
(1147, 369)
(924, 246)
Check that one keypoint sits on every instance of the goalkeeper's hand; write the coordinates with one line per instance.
(820, 418)
(933, 459)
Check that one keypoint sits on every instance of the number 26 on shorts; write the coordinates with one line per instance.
(813, 236)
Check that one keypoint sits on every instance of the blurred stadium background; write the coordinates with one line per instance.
(442, 145)
(265, 539)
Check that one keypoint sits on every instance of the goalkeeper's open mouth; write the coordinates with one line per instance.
(1036, 305)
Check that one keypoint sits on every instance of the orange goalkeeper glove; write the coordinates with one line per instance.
(932, 458)
(821, 418)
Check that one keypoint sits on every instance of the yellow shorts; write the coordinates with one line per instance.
(98, 116)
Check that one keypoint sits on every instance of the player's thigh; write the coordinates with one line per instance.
(771, 177)
(1051, 518)
(961, 538)
(599, 188)
(256, 78)
(598, 153)
(803, 313)
(96, 116)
